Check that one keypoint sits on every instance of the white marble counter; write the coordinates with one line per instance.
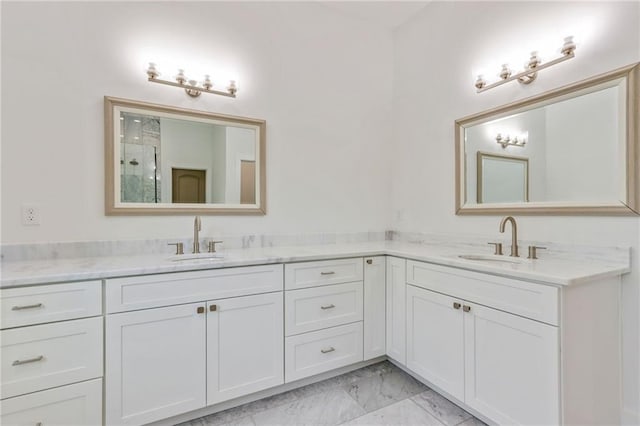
(554, 269)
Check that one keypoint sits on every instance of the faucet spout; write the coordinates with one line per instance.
(197, 227)
(514, 234)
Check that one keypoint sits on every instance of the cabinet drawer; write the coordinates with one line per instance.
(48, 303)
(43, 356)
(150, 291)
(319, 351)
(321, 307)
(78, 404)
(311, 274)
(535, 301)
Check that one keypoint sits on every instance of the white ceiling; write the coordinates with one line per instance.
(388, 14)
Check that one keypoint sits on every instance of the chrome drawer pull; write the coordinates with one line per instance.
(328, 306)
(327, 273)
(28, 361)
(326, 351)
(19, 308)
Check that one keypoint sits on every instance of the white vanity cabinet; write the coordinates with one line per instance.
(516, 352)
(51, 347)
(168, 360)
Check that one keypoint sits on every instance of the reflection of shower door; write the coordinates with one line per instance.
(188, 186)
(247, 182)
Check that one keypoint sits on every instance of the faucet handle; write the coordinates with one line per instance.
(212, 245)
(179, 247)
(533, 251)
(498, 248)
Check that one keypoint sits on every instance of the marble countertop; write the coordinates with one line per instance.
(549, 269)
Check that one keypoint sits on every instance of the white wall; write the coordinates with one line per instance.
(322, 81)
(437, 56)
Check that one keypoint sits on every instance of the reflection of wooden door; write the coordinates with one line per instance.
(188, 186)
(247, 182)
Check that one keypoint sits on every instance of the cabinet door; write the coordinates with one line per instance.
(374, 307)
(511, 367)
(435, 341)
(155, 363)
(245, 345)
(396, 284)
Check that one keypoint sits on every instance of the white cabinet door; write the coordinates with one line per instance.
(79, 404)
(374, 306)
(245, 345)
(511, 367)
(155, 363)
(435, 341)
(396, 284)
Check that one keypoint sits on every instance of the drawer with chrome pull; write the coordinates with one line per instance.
(49, 355)
(319, 351)
(315, 308)
(48, 303)
(324, 272)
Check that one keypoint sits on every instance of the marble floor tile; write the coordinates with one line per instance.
(403, 413)
(441, 408)
(384, 389)
(332, 407)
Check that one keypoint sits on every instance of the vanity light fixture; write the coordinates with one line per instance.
(191, 87)
(507, 141)
(531, 68)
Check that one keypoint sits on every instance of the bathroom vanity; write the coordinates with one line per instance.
(533, 342)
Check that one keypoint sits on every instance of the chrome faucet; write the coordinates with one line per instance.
(197, 227)
(514, 234)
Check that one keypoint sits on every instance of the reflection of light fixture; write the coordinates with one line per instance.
(507, 141)
(531, 68)
(191, 86)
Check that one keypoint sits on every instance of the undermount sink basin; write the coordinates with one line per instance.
(196, 256)
(492, 258)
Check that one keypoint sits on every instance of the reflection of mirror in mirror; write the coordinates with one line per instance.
(178, 160)
(502, 178)
(572, 148)
(167, 160)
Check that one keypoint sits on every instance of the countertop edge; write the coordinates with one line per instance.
(105, 271)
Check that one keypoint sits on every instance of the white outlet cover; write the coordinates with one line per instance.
(30, 214)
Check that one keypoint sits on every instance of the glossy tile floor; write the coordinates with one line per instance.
(380, 394)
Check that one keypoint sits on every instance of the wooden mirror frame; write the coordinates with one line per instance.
(629, 206)
(115, 207)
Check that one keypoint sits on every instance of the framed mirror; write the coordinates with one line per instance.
(165, 160)
(502, 178)
(573, 150)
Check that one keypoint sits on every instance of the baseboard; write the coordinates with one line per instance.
(263, 394)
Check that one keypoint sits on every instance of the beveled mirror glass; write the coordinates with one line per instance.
(166, 160)
(573, 150)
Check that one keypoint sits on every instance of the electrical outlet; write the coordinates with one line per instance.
(30, 214)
